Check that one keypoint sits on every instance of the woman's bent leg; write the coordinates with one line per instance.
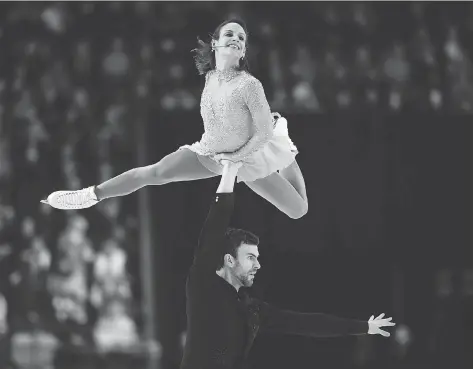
(294, 176)
(285, 190)
(181, 165)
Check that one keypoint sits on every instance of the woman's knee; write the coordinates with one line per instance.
(162, 173)
(181, 165)
(158, 173)
(299, 210)
(154, 174)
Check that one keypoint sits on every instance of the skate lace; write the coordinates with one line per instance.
(75, 198)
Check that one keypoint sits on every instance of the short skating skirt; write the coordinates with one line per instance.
(278, 153)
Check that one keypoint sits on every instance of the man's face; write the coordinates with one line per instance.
(246, 264)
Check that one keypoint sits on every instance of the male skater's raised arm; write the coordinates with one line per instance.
(212, 235)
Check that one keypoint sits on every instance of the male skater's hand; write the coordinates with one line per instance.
(375, 324)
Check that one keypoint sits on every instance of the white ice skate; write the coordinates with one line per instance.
(71, 200)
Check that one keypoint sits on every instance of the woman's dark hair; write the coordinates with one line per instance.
(204, 58)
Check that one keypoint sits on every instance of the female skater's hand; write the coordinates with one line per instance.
(230, 167)
(221, 157)
(375, 324)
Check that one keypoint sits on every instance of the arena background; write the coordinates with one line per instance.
(379, 99)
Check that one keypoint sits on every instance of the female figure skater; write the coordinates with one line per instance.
(239, 127)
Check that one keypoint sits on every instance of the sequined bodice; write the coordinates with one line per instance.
(227, 108)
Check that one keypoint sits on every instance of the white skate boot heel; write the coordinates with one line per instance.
(71, 200)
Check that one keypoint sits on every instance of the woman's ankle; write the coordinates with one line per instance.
(98, 193)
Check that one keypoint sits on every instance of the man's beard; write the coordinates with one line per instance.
(246, 279)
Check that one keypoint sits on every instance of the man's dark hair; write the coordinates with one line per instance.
(234, 238)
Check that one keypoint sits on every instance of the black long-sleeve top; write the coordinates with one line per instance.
(223, 323)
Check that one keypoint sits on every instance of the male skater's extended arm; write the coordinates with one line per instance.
(278, 320)
(212, 234)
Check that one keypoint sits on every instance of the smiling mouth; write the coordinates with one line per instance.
(233, 46)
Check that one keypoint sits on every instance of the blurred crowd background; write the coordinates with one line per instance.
(76, 77)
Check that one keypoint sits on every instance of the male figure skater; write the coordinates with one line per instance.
(222, 319)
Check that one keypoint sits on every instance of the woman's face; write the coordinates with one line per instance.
(232, 41)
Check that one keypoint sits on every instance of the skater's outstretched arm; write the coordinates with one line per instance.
(318, 325)
(212, 235)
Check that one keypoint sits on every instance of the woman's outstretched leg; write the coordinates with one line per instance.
(285, 190)
(181, 165)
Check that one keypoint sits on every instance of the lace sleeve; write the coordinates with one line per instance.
(260, 111)
(258, 105)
